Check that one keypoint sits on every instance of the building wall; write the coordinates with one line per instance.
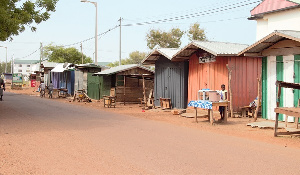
(206, 76)
(171, 80)
(283, 20)
(244, 83)
(25, 69)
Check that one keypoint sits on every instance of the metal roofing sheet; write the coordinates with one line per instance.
(122, 68)
(155, 54)
(60, 67)
(268, 6)
(16, 61)
(271, 39)
(49, 64)
(213, 47)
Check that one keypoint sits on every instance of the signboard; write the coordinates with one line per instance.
(17, 78)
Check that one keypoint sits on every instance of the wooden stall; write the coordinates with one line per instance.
(209, 67)
(171, 78)
(128, 81)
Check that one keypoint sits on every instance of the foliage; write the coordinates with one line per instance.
(61, 55)
(2, 67)
(196, 33)
(14, 19)
(171, 39)
(134, 58)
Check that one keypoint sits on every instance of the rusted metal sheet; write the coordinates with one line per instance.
(206, 76)
(245, 71)
(271, 5)
(244, 84)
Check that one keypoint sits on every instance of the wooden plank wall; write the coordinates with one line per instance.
(133, 90)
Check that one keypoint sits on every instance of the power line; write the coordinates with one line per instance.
(197, 14)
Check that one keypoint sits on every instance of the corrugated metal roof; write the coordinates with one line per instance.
(268, 6)
(155, 54)
(49, 64)
(60, 67)
(25, 61)
(270, 40)
(89, 65)
(212, 47)
(122, 68)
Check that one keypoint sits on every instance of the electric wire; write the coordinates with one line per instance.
(197, 14)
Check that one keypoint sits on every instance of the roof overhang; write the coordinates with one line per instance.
(266, 42)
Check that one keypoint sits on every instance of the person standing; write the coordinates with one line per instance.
(2, 87)
(223, 94)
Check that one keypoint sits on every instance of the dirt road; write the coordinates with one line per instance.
(42, 136)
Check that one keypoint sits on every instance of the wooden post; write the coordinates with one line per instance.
(258, 99)
(277, 105)
(230, 92)
(124, 88)
(144, 91)
(196, 115)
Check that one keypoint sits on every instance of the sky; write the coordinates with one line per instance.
(74, 21)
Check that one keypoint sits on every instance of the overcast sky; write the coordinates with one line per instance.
(74, 21)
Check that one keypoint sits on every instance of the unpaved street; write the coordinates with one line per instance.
(43, 136)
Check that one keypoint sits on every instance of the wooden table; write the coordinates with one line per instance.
(210, 111)
(288, 111)
(109, 101)
(62, 92)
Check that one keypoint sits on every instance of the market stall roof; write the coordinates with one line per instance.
(212, 47)
(48, 64)
(60, 67)
(155, 54)
(90, 65)
(122, 68)
(268, 41)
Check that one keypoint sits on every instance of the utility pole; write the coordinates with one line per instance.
(120, 54)
(6, 61)
(41, 55)
(81, 53)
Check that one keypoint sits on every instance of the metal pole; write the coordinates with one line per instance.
(41, 55)
(96, 35)
(81, 53)
(120, 42)
(6, 61)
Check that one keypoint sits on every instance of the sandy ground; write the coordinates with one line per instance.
(235, 127)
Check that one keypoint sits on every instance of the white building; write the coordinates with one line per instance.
(26, 67)
(272, 15)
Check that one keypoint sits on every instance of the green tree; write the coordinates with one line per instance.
(15, 16)
(61, 55)
(2, 67)
(134, 58)
(196, 33)
(171, 39)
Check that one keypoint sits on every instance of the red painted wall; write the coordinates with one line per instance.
(245, 71)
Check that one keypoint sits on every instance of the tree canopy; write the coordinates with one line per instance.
(196, 33)
(16, 16)
(134, 58)
(172, 39)
(2, 67)
(61, 55)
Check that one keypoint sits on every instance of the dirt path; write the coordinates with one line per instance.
(48, 136)
(235, 126)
